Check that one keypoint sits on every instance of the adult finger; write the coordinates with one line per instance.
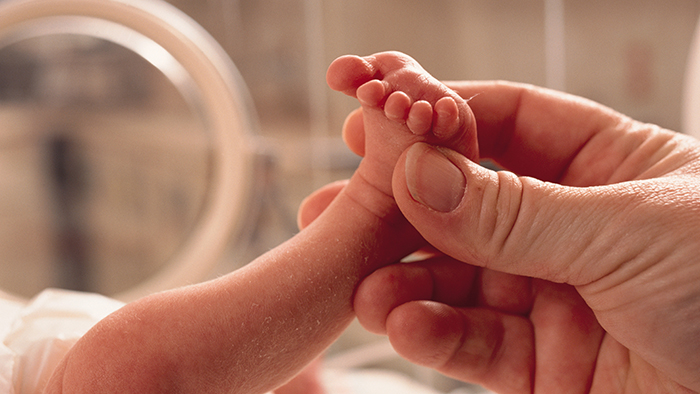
(521, 225)
(439, 279)
(555, 347)
(473, 345)
(354, 132)
(317, 202)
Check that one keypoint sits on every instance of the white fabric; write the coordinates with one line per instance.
(371, 381)
(37, 334)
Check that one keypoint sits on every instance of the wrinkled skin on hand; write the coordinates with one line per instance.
(575, 270)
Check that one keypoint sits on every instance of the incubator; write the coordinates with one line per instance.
(126, 147)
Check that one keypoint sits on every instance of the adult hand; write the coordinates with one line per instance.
(589, 263)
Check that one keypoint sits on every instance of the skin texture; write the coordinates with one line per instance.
(254, 329)
(576, 270)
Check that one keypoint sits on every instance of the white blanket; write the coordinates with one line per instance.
(37, 334)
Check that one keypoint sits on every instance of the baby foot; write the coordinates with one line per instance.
(401, 104)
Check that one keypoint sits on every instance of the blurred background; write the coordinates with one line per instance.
(97, 204)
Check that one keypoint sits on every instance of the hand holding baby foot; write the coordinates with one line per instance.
(401, 104)
(610, 278)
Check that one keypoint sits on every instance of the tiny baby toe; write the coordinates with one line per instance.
(420, 117)
(371, 93)
(446, 117)
(397, 106)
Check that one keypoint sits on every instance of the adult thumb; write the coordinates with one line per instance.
(512, 224)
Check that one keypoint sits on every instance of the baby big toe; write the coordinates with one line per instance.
(346, 73)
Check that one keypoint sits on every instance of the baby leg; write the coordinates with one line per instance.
(253, 329)
(402, 104)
